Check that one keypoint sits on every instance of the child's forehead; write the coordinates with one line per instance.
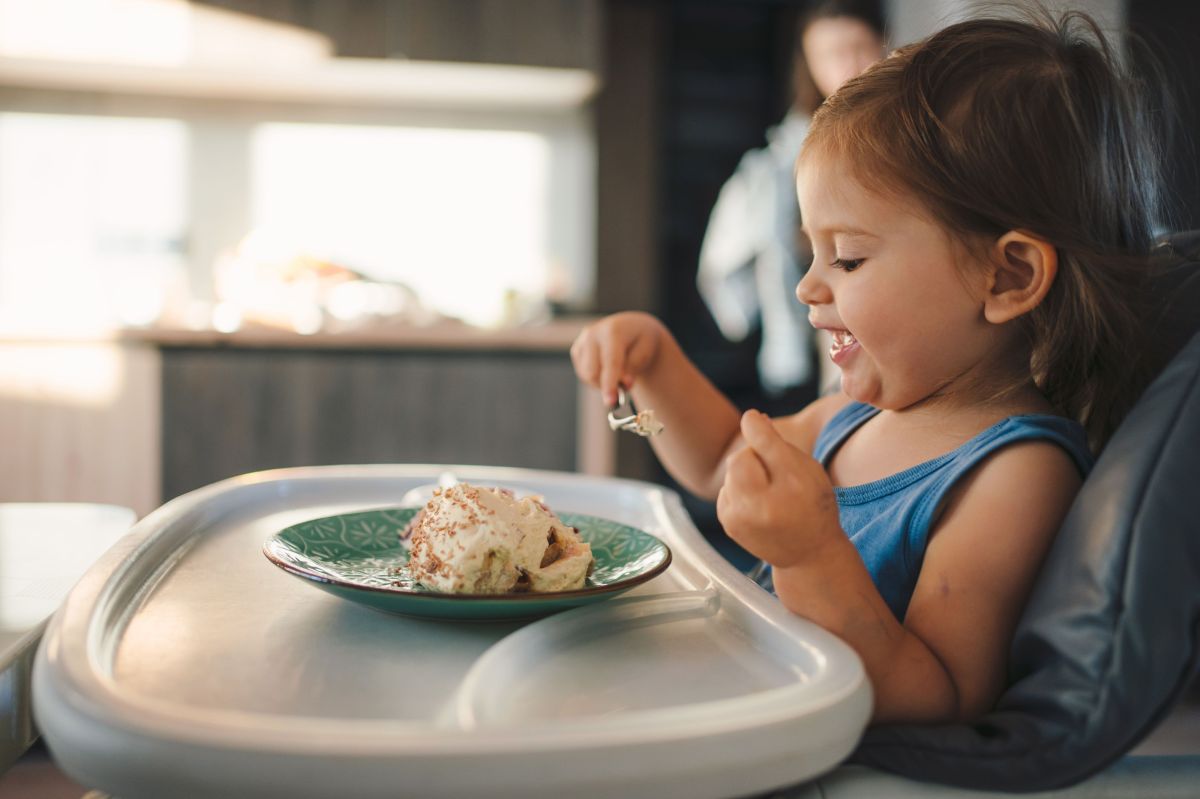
(830, 176)
(832, 196)
(819, 164)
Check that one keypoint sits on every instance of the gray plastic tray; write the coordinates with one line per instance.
(185, 664)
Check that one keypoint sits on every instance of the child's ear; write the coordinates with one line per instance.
(1023, 270)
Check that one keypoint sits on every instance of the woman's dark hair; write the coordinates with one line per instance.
(1025, 124)
(869, 12)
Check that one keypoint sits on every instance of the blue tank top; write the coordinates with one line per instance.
(889, 520)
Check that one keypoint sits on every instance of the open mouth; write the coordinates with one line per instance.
(844, 343)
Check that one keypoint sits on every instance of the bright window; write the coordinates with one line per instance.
(92, 219)
(461, 216)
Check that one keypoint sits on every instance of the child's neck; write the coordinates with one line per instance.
(972, 410)
(997, 386)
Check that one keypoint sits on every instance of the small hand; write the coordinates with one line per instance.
(776, 502)
(616, 350)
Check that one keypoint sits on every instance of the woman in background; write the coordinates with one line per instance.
(752, 258)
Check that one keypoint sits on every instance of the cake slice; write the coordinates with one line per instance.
(476, 540)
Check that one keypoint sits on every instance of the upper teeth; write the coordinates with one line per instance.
(842, 338)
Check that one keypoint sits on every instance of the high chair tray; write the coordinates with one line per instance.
(185, 664)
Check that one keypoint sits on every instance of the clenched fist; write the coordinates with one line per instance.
(776, 501)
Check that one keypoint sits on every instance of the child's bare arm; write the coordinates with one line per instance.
(636, 350)
(946, 661)
(981, 563)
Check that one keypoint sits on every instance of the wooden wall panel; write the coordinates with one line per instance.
(79, 423)
(231, 411)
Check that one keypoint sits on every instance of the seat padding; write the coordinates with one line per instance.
(1140, 777)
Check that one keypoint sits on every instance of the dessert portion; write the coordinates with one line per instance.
(475, 540)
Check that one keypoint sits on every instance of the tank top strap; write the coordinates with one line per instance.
(848, 419)
(1066, 433)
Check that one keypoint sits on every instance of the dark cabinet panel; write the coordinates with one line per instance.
(228, 411)
(549, 33)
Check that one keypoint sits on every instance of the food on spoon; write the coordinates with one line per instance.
(647, 424)
(476, 540)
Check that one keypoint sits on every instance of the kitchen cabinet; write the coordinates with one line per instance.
(447, 393)
(150, 414)
(228, 411)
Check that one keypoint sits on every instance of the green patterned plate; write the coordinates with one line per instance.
(360, 557)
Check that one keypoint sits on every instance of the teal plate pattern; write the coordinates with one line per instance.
(359, 556)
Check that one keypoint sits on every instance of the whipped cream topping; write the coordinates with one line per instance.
(477, 540)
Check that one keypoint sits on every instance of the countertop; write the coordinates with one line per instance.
(555, 335)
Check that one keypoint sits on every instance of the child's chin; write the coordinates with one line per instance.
(868, 394)
(857, 391)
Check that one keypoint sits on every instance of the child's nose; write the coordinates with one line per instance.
(812, 290)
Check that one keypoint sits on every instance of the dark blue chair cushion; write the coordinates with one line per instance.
(1108, 642)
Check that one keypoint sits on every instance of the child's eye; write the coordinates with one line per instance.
(848, 264)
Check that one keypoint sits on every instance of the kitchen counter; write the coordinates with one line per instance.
(554, 335)
(138, 416)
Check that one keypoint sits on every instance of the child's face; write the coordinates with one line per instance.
(907, 321)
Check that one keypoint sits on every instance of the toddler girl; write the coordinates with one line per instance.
(980, 209)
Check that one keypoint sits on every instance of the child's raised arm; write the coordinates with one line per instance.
(637, 351)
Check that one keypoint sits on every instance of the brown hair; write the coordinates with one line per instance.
(807, 96)
(1025, 124)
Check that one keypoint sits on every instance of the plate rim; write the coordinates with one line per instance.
(527, 596)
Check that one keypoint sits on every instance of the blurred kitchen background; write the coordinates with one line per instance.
(247, 234)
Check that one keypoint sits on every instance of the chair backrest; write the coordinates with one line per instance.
(1111, 636)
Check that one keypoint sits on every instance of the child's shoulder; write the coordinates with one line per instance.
(801, 429)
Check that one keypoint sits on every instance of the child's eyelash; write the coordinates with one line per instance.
(848, 264)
